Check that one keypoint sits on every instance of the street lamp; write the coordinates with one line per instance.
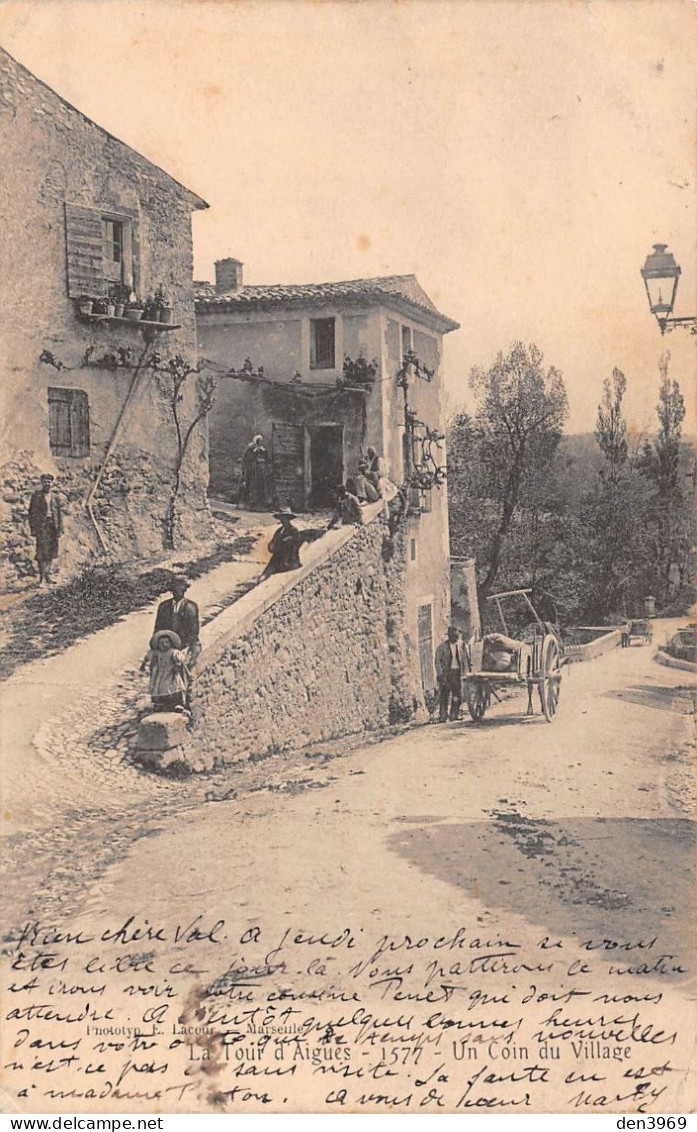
(661, 274)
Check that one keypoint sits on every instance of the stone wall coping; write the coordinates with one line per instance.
(241, 615)
(593, 649)
(663, 657)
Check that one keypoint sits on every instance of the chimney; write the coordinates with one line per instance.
(228, 275)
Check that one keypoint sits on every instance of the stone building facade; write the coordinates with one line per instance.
(85, 215)
(323, 371)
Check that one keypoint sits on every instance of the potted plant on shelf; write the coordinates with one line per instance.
(163, 306)
(99, 306)
(119, 294)
(134, 310)
(85, 304)
(148, 310)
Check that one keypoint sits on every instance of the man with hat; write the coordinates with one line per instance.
(285, 544)
(46, 525)
(178, 614)
(450, 663)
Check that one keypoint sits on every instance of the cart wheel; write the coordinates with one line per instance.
(550, 684)
(478, 698)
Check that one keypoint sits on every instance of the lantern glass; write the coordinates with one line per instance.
(661, 273)
(661, 292)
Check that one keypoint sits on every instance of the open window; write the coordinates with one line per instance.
(322, 343)
(100, 250)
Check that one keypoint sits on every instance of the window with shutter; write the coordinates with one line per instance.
(99, 249)
(69, 422)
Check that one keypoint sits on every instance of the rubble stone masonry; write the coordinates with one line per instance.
(310, 655)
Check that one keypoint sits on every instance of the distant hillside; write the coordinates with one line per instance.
(578, 461)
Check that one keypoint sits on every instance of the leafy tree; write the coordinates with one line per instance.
(521, 409)
(611, 427)
(670, 512)
(613, 514)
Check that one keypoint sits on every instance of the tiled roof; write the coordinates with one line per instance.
(405, 290)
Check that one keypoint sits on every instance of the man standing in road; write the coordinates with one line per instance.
(449, 675)
(178, 614)
(46, 525)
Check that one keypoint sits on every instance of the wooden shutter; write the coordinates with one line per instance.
(425, 631)
(69, 422)
(288, 462)
(59, 421)
(80, 423)
(84, 248)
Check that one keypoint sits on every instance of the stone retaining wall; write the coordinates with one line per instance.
(595, 648)
(663, 657)
(310, 655)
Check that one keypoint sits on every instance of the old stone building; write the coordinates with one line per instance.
(323, 371)
(87, 218)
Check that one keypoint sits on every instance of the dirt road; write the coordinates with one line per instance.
(512, 832)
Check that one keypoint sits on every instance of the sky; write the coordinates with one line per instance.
(519, 156)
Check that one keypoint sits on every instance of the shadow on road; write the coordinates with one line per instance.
(680, 699)
(517, 717)
(625, 878)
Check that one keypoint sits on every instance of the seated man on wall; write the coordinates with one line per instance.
(376, 475)
(364, 490)
(348, 509)
(285, 544)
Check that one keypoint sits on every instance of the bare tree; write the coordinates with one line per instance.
(172, 377)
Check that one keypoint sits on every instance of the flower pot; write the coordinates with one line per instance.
(118, 310)
(134, 314)
(110, 310)
(166, 314)
(86, 306)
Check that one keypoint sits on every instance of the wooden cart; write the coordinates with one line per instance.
(641, 631)
(536, 663)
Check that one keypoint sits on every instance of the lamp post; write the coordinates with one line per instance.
(661, 274)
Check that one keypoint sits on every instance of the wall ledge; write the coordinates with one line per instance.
(663, 657)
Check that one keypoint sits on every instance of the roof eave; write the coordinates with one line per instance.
(197, 202)
(433, 319)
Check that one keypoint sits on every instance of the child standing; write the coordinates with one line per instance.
(169, 676)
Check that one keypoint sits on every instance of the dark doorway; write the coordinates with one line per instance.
(326, 463)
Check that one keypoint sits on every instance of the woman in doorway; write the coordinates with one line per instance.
(254, 489)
